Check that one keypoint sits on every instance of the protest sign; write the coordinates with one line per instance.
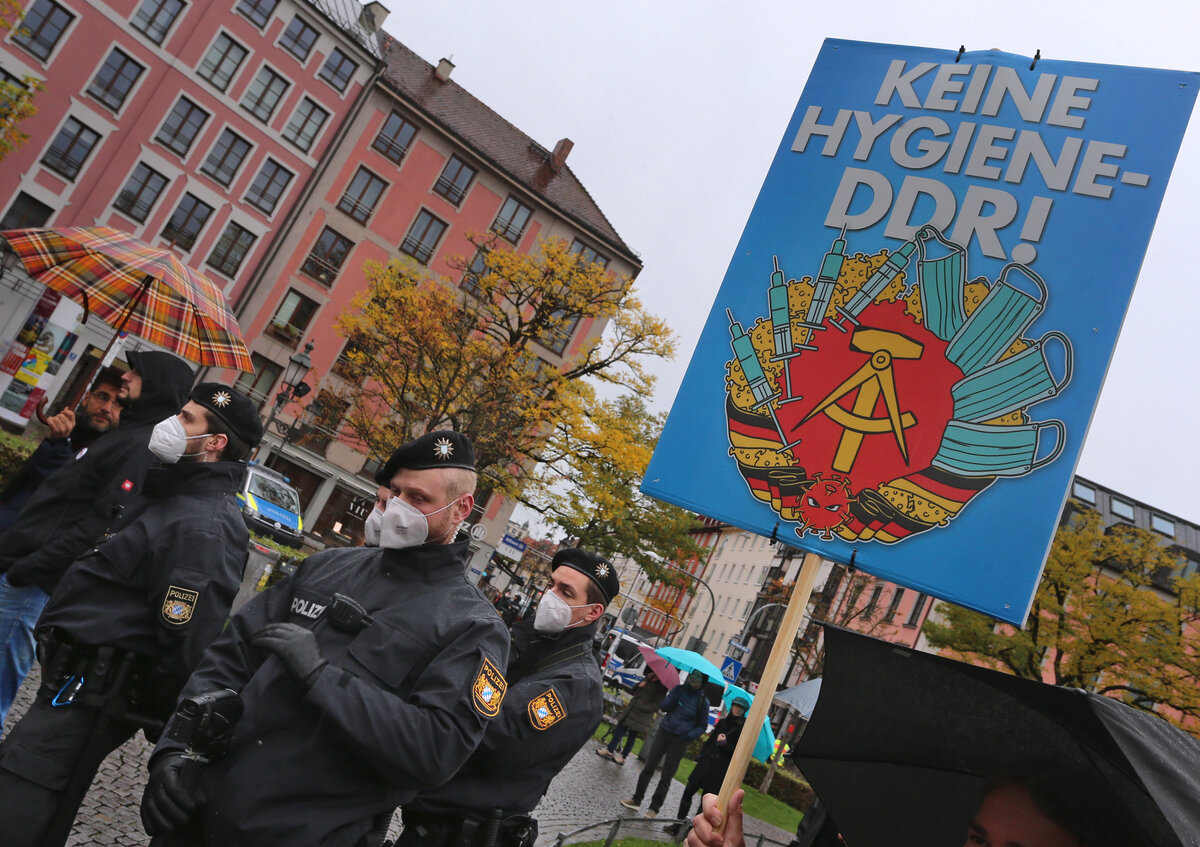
(909, 342)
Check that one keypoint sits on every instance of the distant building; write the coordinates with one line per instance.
(195, 126)
(423, 164)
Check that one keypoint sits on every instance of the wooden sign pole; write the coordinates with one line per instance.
(801, 592)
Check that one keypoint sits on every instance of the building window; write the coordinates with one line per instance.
(257, 11)
(914, 617)
(558, 332)
(589, 255)
(269, 186)
(222, 61)
(338, 69)
(182, 126)
(455, 179)
(226, 157)
(264, 94)
(477, 269)
(894, 605)
(1121, 509)
(26, 212)
(292, 318)
(299, 38)
(154, 18)
(362, 195)
(394, 137)
(423, 237)
(70, 148)
(115, 79)
(305, 123)
(43, 27)
(325, 259)
(1164, 525)
(1084, 492)
(324, 419)
(233, 245)
(190, 216)
(510, 223)
(873, 603)
(139, 195)
(257, 386)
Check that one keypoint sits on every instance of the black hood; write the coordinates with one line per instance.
(166, 383)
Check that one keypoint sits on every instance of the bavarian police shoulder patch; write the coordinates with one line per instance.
(179, 604)
(487, 692)
(546, 709)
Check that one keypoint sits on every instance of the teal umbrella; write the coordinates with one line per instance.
(689, 660)
(765, 743)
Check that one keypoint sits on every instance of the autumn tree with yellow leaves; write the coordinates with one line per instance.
(16, 98)
(479, 354)
(1111, 615)
(588, 485)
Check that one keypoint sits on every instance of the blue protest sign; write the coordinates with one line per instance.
(908, 344)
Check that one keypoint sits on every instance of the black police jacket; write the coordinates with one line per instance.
(554, 703)
(401, 705)
(163, 585)
(74, 506)
(49, 456)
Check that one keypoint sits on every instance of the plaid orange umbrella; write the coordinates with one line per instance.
(136, 288)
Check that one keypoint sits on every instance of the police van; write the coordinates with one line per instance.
(270, 505)
(620, 660)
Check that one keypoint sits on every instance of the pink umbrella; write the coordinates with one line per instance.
(663, 669)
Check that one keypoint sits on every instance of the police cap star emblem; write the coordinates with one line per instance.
(443, 449)
(221, 399)
(602, 569)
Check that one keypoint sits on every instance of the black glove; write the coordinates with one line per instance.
(296, 647)
(169, 800)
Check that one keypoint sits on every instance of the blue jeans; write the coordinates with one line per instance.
(621, 731)
(20, 609)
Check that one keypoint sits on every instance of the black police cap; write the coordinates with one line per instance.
(235, 410)
(442, 449)
(594, 566)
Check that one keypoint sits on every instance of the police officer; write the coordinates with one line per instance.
(368, 675)
(554, 703)
(131, 618)
(74, 506)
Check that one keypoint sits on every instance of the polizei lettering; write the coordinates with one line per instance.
(307, 608)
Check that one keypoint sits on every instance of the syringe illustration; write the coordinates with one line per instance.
(823, 286)
(756, 377)
(872, 288)
(781, 318)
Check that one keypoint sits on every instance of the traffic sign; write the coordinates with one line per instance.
(730, 668)
(511, 548)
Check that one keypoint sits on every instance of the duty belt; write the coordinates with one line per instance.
(495, 830)
(105, 677)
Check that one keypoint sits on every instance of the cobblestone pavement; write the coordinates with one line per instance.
(588, 790)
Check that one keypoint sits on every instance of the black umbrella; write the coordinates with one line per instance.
(902, 744)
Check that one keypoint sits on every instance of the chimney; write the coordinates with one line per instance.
(372, 16)
(443, 69)
(559, 157)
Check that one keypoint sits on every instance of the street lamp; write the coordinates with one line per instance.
(292, 388)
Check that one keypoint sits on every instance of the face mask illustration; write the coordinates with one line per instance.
(1010, 384)
(941, 285)
(970, 449)
(996, 323)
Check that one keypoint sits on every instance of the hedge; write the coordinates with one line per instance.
(14, 450)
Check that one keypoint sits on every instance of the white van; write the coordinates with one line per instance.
(620, 660)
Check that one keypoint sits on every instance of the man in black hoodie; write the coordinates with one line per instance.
(74, 507)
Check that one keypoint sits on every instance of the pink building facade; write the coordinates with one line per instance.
(423, 165)
(193, 125)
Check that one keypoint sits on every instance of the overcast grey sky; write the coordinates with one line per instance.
(676, 110)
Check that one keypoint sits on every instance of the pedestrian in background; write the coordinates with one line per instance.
(714, 758)
(70, 431)
(130, 619)
(637, 718)
(74, 507)
(686, 718)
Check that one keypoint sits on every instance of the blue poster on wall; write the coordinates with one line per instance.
(908, 345)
